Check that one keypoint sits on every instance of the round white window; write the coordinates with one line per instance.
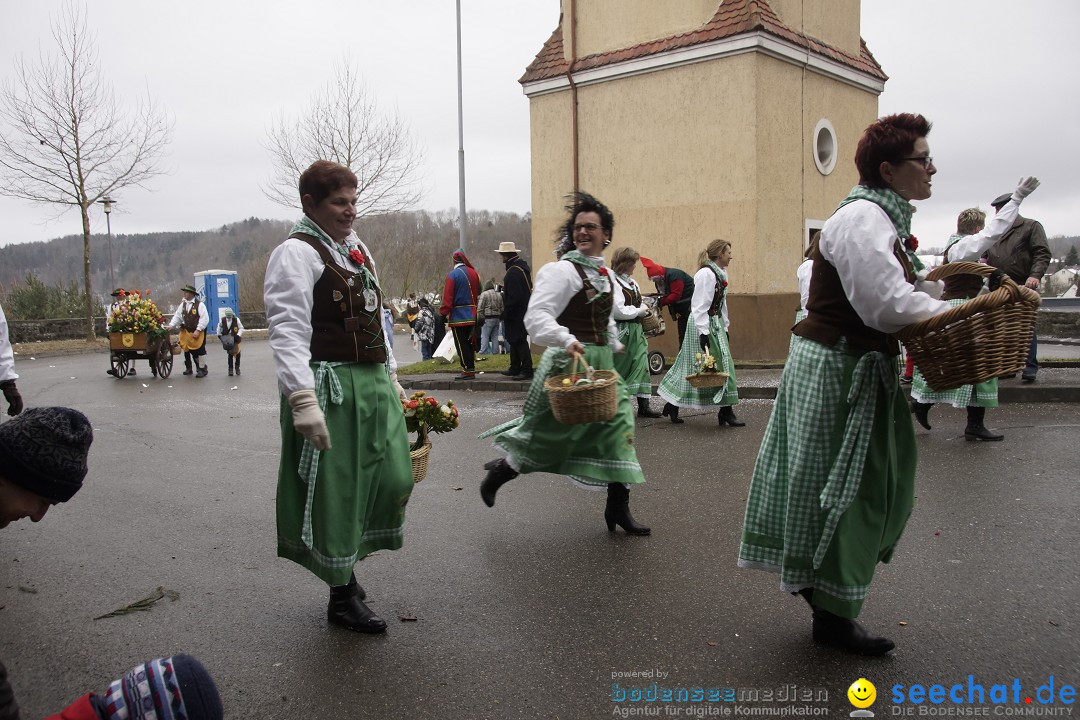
(824, 147)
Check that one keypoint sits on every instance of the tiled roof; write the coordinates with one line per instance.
(733, 17)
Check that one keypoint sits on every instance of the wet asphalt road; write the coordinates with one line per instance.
(530, 609)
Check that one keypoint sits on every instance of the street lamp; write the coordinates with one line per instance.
(108, 203)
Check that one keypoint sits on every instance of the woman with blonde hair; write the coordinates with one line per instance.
(706, 332)
(633, 363)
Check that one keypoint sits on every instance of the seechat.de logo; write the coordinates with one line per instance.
(862, 695)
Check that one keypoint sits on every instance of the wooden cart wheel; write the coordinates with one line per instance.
(121, 364)
(164, 360)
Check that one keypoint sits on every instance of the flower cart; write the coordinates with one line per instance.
(137, 330)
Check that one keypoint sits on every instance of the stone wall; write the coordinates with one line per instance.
(22, 331)
(1059, 324)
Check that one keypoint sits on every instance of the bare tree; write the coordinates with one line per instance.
(342, 123)
(66, 142)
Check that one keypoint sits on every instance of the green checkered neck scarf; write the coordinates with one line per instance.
(720, 278)
(576, 257)
(897, 208)
(307, 226)
(953, 239)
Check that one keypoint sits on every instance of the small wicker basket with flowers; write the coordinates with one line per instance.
(423, 415)
(706, 374)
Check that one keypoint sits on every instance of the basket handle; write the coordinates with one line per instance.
(573, 366)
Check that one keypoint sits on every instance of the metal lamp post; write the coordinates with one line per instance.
(108, 203)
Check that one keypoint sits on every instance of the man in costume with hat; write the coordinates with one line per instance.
(459, 308)
(676, 288)
(1023, 254)
(230, 331)
(517, 289)
(119, 296)
(192, 318)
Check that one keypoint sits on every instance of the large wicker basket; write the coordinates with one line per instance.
(707, 379)
(982, 339)
(577, 404)
(652, 325)
(419, 459)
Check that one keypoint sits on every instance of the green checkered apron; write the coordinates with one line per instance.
(834, 481)
(984, 394)
(633, 364)
(337, 506)
(593, 453)
(675, 389)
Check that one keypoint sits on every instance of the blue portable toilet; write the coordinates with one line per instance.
(219, 290)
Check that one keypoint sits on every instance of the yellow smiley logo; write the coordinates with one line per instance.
(862, 693)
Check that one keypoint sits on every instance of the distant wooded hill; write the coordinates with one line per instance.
(412, 249)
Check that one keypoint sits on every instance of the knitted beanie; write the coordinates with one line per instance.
(172, 688)
(651, 268)
(44, 450)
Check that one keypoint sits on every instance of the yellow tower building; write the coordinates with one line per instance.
(694, 120)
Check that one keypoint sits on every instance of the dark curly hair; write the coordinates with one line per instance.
(576, 204)
(889, 139)
(324, 177)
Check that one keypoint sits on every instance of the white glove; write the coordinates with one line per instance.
(308, 419)
(1025, 187)
(642, 311)
(397, 387)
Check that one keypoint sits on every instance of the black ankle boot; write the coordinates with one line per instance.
(922, 411)
(347, 609)
(727, 415)
(617, 511)
(975, 429)
(672, 411)
(499, 473)
(848, 635)
(644, 410)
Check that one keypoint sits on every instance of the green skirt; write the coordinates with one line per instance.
(355, 504)
(984, 394)
(633, 363)
(834, 482)
(593, 453)
(675, 388)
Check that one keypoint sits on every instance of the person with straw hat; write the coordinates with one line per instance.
(192, 318)
(517, 289)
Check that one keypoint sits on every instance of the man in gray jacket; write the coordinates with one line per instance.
(1022, 253)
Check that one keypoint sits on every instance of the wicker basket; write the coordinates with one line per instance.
(652, 325)
(707, 379)
(982, 339)
(577, 404)
(419, 459)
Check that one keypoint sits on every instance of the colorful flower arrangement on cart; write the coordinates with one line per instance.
(137, 313)
(424, 414)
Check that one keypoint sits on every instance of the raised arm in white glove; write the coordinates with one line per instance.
(308, 419)
(1025, 187)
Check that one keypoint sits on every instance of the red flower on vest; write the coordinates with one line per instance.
(357, 256)
(912, 243)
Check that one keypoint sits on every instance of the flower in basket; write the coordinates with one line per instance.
(424, 414)
(705, 362)
(137, 314)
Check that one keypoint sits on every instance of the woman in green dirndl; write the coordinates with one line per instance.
(834, 481)
(570, 311)
(973, 238)
(633, 363)
(706, 332)
(345, 474)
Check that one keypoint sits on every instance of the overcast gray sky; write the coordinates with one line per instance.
(997, 78)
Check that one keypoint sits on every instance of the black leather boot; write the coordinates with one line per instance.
(922, 411)
(644, 410)
(848, 635)
(672, 411)
(347, 609)
(727, 415)
(499, 473)
(617, 511)
(975, 429)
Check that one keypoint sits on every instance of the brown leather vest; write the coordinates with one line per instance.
(191, 317)
(631, 297)
(961, 286)
(830, 315)
(341, 329)
(717, 298)
(587, 321)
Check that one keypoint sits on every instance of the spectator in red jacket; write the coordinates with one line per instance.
(676, 288)
(459, 308)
